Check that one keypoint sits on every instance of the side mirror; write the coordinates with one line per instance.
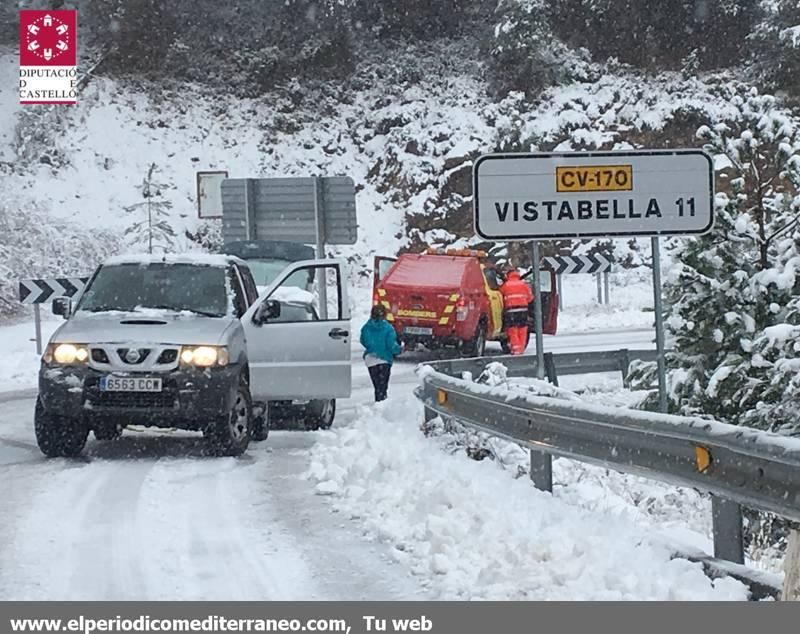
(62, 306)
(270, 309)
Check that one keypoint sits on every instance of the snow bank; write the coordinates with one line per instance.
(19, 363)
(476, 533)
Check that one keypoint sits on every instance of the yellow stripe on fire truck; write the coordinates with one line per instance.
(381, 292)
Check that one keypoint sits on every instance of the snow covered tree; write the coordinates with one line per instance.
(37, 245)
(208, 235)
(733, 295)
(154, 228)
(525, 53)
(777, 44)
(658, 35)
(139, 33)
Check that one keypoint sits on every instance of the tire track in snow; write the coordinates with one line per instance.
(224, 542)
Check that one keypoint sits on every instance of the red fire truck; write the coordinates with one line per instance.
(450, 299)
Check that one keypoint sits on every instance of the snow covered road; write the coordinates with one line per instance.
(148, 517)
(370, 510)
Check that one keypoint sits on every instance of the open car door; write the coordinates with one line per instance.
(304, 359)
(381, 268)
(549, 301)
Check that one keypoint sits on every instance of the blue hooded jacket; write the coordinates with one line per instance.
(379, 338)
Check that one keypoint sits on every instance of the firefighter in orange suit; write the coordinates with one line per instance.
(516, 297)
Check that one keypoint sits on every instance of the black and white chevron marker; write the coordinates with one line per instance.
(566, 264)
(40, 291)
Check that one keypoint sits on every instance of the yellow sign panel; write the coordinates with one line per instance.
(422, 314)
(595, 178)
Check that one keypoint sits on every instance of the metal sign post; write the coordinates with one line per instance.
(607, 287)
(537, 311)
(37, 317)
(662, 368)
(560, 290)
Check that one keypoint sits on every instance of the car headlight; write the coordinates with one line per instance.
(66, 353)
(204, 356)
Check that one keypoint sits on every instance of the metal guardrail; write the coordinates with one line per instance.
(555, 364)
(736, 465)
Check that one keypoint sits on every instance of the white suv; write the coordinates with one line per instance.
(186, 342)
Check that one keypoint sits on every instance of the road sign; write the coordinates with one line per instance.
(585, 194)
(209, 194)
(293, 209)
(43, 290)
(39, 291)
(566, 264)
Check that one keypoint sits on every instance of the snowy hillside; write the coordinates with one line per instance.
(406, 132)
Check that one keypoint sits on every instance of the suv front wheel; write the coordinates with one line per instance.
(58, 436)
(229, 434)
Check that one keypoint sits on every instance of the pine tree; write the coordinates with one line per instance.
(777, 44)
(731, 298)
(154, 229)
(526, 55)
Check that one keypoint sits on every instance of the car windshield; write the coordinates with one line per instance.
(266, 271)
(177, 287)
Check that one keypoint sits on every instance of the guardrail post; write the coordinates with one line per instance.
(542, 470)
(37, 318)
(726, 518)
(624, 363)
(599, 288)
(791, 566)
(550, 368)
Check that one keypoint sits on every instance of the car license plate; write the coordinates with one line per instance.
(415, 330)
(129, 384)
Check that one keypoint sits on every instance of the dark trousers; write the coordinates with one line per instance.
(380, 380)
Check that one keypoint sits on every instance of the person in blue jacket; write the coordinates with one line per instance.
(381, 347)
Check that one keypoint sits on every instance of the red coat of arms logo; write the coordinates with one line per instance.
(48, 56)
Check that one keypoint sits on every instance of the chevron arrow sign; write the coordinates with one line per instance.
(40, 291)
(566, 264)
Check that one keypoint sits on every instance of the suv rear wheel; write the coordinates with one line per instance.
(58, 435)
(476, 346)
(229, 434)
(320, 414)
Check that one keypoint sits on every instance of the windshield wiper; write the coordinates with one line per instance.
(204, 313)
(104, 309)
